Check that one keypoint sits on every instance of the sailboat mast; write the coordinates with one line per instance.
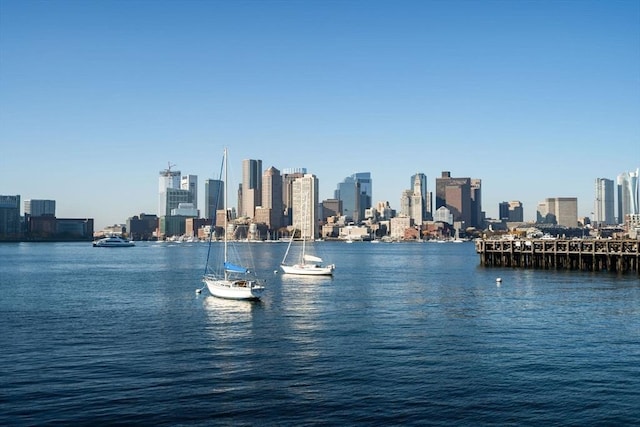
(303, 230)
(225, 211)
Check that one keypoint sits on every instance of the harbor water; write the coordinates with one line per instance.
(403, 334)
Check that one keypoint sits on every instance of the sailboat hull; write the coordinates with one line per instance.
(308, 269)
(234, 289)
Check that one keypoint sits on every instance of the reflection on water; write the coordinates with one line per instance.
(221, 310)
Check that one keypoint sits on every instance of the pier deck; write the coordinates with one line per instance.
(588, 254)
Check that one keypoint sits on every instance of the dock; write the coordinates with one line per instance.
(620, 256)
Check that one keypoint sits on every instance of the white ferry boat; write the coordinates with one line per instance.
(113, 242)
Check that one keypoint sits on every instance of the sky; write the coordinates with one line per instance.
(535, 98)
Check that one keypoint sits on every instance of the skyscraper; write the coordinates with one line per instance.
(558, 210)
(455, 195)
(10, 216)
(34, 208)
(419, 186)
(289, 175)
(603, 209)
(511, 211)
(516, 211)
(477, 216)
(213, 197)
(305, 205)
(355, 194)
(272, 197)
(628, 194)
(168, 180)
(190, 183)
(251, 187)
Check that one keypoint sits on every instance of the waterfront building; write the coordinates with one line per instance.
(558, 210)
(213, 197)
(194, 227)
(398, 226)
(305, 206)
(142, 227)
(35, 208)
(632, 225)
(251, 190)
(169, 225)
(10, 222)
(190, 183)
(603, 209)
(628, 194)
(74, 228)
(272, 198)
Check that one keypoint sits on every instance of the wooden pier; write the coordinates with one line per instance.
(621, 256)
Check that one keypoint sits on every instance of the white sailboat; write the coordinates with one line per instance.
(232, 281)
(307, 264)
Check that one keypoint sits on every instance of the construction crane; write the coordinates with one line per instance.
(167, 171)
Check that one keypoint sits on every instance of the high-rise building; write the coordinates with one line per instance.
(172, 198)
(10, 216)
(251, 187)
(213, 197)
(331, 208)
(168, 179)
(35, 208)
(405, 203)
(603, 209)
(477, 216)
(511, 211)
(190, 182)
(503, 211)
(455, 195)
(305, 206)
(628, 194)
(558, 210)
(272, 197)
(355, 194)
(516, 211)
(419, 186)
(289, 175)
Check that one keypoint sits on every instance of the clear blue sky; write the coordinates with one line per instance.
(536, 98)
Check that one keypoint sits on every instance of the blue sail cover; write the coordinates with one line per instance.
(234, 268)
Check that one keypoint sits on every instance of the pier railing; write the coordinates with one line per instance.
(583, 254)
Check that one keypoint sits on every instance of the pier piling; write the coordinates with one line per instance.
(622, 256)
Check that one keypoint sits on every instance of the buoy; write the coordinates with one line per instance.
(275, 271)
(498, 280)
(198, 291)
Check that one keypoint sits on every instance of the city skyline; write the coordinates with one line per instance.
(536, 99)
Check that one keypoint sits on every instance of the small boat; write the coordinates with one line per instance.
(307, 265)
(232, 280)
(113, 241)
